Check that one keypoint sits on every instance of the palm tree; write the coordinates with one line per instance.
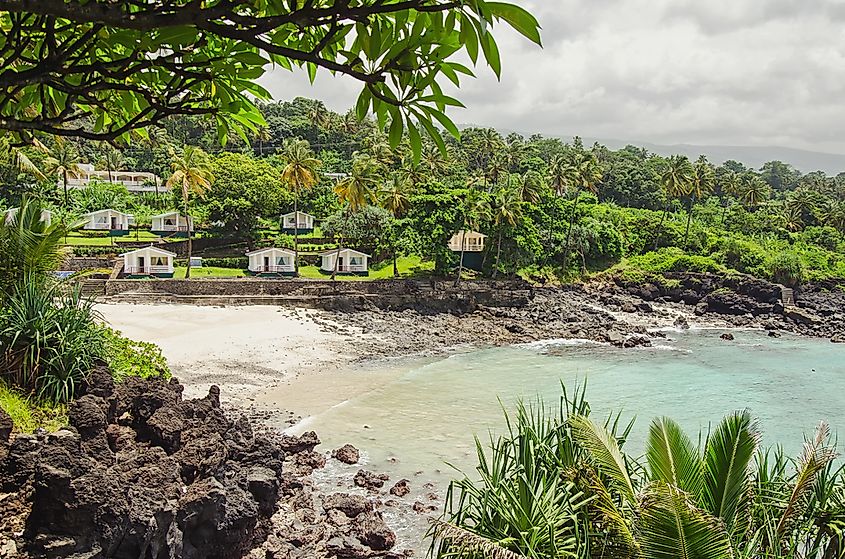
(676, 180)
(754, 190)
(731, 186)
(475, 210)
(356, 191)
(792, 218)
(18, 159)
(262, 134)
(530, 187)
(30, 246)
(394, 197)
(112, 160)
(832, 213)
(434, 161)
(299, 173)
(191, 174)
(703, 183)
(63, 161)
(586, 174)
(804, 201)
(505, 210)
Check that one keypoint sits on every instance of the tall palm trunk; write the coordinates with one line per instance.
(295, 231)
(340, 245)
(108, 168)
(498, 254)
(190, 232)
(461, 264)
(64, 180)
(689, 220)
(569, 230)
(395, 265)
(659, 232)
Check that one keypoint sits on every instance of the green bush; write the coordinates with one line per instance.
(49, 340)
(786, 268)
(127, 357)
(741, 255)
(28, 416)
(235, 262)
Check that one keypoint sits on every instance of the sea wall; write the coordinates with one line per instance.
(80, 263)
(434, 296)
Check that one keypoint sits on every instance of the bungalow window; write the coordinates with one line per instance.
(281, 261)
(169, 221)
(355, 260)
(158, 261)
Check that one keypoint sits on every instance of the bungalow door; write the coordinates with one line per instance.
(266, 263)
(340, 264)
(114, 222)
(141, 263)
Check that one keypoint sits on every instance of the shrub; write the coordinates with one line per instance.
(127, 357)
(785, 267)
(29, 416)
(741, 255)
(234, 262)
(49, 340)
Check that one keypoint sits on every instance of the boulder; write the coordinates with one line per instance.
(373, 532)
(836, 338)
(6, 425)
(347, 454)
(727, 336)
(370, 480)
(682, 323)
(801, 316)
(304, 443)
(401, 488)
(774, 334)
(629, 307)
(350, 505)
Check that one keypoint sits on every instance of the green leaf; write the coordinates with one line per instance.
(672, 458)
(416, 142)
(727, 460)
(491, 53)
(518, 18)
(444, 121)
(604, 449)
(395, 135)
(671, 527)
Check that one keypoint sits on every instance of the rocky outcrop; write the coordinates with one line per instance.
(370, 480)
(140, 472)
(347, 454)
(6, 426)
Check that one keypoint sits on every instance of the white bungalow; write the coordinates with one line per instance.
(108, 220)
(350, 261)
(300, 221)
(271, 261)
(135, 181)
(11, 214)
(148, 261)
(472, 241)
(171, 222)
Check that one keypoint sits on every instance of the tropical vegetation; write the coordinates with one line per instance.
(558, 483)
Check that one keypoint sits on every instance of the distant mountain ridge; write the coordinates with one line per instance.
(805, 161)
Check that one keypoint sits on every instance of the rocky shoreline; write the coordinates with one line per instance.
(624, 315)
(140, 472)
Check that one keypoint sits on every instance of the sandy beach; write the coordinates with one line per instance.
(246, 350)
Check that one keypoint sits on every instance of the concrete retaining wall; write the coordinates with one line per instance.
(79, 263)
(341, 295)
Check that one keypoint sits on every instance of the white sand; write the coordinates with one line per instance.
(245, 350)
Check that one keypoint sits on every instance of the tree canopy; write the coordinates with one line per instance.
(99, 69)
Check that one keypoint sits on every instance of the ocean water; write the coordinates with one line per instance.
(419, 421)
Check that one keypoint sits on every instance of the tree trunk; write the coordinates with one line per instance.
(569, 230)
(689, 221)
(461, 263)
(395, 266)
(64, 177)
(339, 245)
(109, 170)
(190, 247)
(659, 232)
(295, 231)
(498, 253)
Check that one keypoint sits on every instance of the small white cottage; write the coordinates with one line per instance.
(12, 213)
(171, 222)
(271, 261)
(472, 241)
(108, 220)
(300, 221)
(148, 261)
(349, 261)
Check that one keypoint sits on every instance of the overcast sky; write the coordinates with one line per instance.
(724, 72)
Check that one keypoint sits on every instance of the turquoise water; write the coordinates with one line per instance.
(426, 415)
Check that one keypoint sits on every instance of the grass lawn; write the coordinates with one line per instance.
(209, 272)
(409, 267)
(28, 417)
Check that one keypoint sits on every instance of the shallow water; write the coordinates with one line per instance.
(427, 412)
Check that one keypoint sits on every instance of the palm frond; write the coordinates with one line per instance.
(670, 526)
(463, 543)
(604, 449)
(672, 457)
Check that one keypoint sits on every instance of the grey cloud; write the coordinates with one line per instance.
(732, 72)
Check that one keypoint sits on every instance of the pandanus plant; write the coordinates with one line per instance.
(560, 485)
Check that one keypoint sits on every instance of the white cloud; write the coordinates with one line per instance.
(731, 72)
